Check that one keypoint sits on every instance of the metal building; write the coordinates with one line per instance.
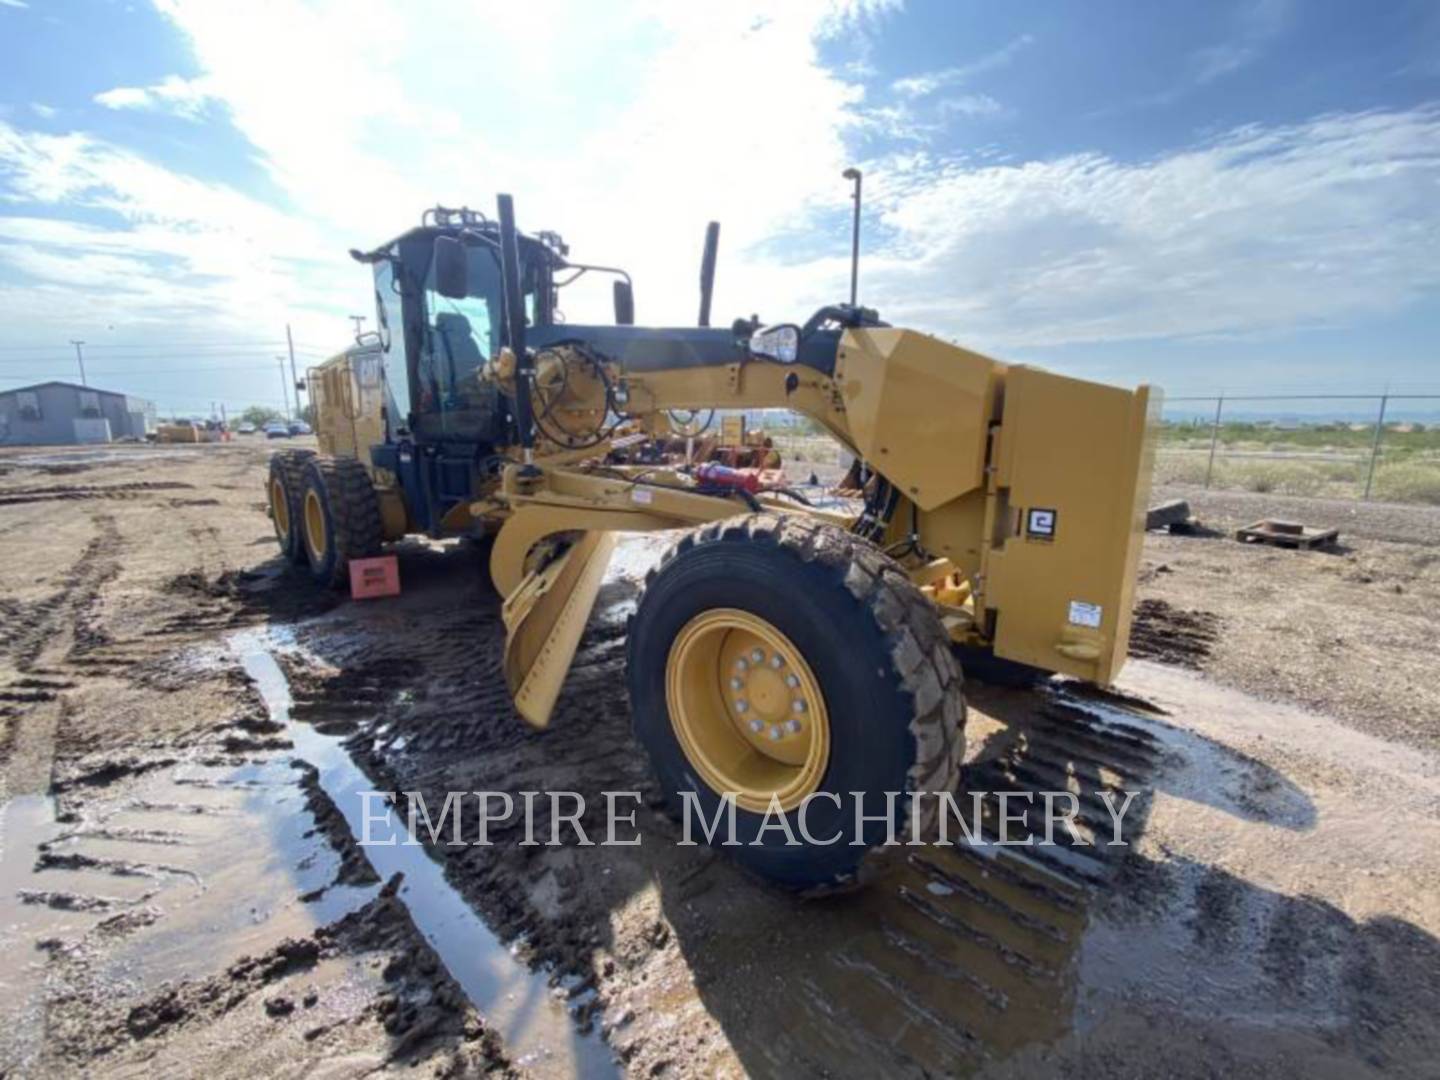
(57, 413)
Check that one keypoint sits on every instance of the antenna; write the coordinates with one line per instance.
(855, 175)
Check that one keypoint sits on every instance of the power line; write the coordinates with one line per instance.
(52, 376)
(7, 360)
(167, 343)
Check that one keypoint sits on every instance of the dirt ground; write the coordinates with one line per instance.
(187, 727)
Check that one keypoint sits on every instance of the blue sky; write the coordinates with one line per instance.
(1240, 195)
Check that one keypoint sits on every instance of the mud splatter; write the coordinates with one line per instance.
(1173, 636)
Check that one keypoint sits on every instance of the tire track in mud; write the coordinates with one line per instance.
(38, 638)
(951, 958)
(138, 489)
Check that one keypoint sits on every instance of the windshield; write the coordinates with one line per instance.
(465, 333)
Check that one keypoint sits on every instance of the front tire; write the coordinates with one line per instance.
(815, 612)
(341, 518)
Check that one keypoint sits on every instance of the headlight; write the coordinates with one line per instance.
(780, 343)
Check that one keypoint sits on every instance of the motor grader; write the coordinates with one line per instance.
(782, 660)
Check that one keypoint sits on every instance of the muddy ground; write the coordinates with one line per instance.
(187, 727)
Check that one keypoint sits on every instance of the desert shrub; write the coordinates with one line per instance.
(1339, 472)
(1416, 481)
(1180, 468)
(1279, 477)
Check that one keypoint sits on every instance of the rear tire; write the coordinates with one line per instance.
(283, 488)
(892, 693)
(341, 517)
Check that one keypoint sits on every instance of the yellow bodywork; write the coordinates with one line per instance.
(1020, 494)
(347, 394)
(178, 433)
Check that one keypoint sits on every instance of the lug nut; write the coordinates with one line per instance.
(757, 656)
(736, 682)
(741, 665)
(776, 662)
(741, 705)
(792, 726)
(757, 726)
(792, 681)
(798, 704)
(774, 734)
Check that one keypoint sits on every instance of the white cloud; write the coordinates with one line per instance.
(608, 126)
(45, 112)
(1257, 23)
(362, 117)
(187, 98)
(14, 4)
(926, 83)
(970, 105)
(1264, 230)
(178, 253)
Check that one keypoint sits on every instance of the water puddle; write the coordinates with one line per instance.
(26, 822)
(536, 1029)
(99, 455)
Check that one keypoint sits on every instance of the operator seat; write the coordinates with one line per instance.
(460, 357)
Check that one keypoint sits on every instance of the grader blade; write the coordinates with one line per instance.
(544, 618)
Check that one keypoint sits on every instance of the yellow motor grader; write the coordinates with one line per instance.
(782, 660)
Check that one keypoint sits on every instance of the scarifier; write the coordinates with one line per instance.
(781, 656)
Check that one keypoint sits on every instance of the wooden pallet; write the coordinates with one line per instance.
(1286, 534)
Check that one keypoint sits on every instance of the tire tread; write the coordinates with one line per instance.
(919, 648)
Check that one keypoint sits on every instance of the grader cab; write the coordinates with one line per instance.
(782, 659)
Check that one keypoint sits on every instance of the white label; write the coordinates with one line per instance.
(1040, 523)
(640, 495)
(1083, 614)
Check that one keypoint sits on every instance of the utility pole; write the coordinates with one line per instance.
(854, 174)
(1214, 438)
(284, 386)
(1375, 446)
(358, 320)
(80, 359)
(290, 345)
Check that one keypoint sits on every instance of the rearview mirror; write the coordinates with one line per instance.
(624, 304)
(451, 273)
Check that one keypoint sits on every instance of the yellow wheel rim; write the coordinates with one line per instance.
(747, 710)
(315, 537)
(280, 510)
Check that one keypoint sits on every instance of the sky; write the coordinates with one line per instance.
(1238, 196)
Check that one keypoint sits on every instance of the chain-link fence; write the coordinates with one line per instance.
(1304, 444)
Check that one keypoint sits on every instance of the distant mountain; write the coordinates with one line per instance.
(1302, 413)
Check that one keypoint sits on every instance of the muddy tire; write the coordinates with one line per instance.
(283, 488)
(892, 693)
(341, 517)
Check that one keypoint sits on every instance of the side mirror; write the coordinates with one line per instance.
(624, 304)
(451, 269)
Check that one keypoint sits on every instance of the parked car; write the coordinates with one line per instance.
(299, 427)
(246, 428)
(276, 430)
